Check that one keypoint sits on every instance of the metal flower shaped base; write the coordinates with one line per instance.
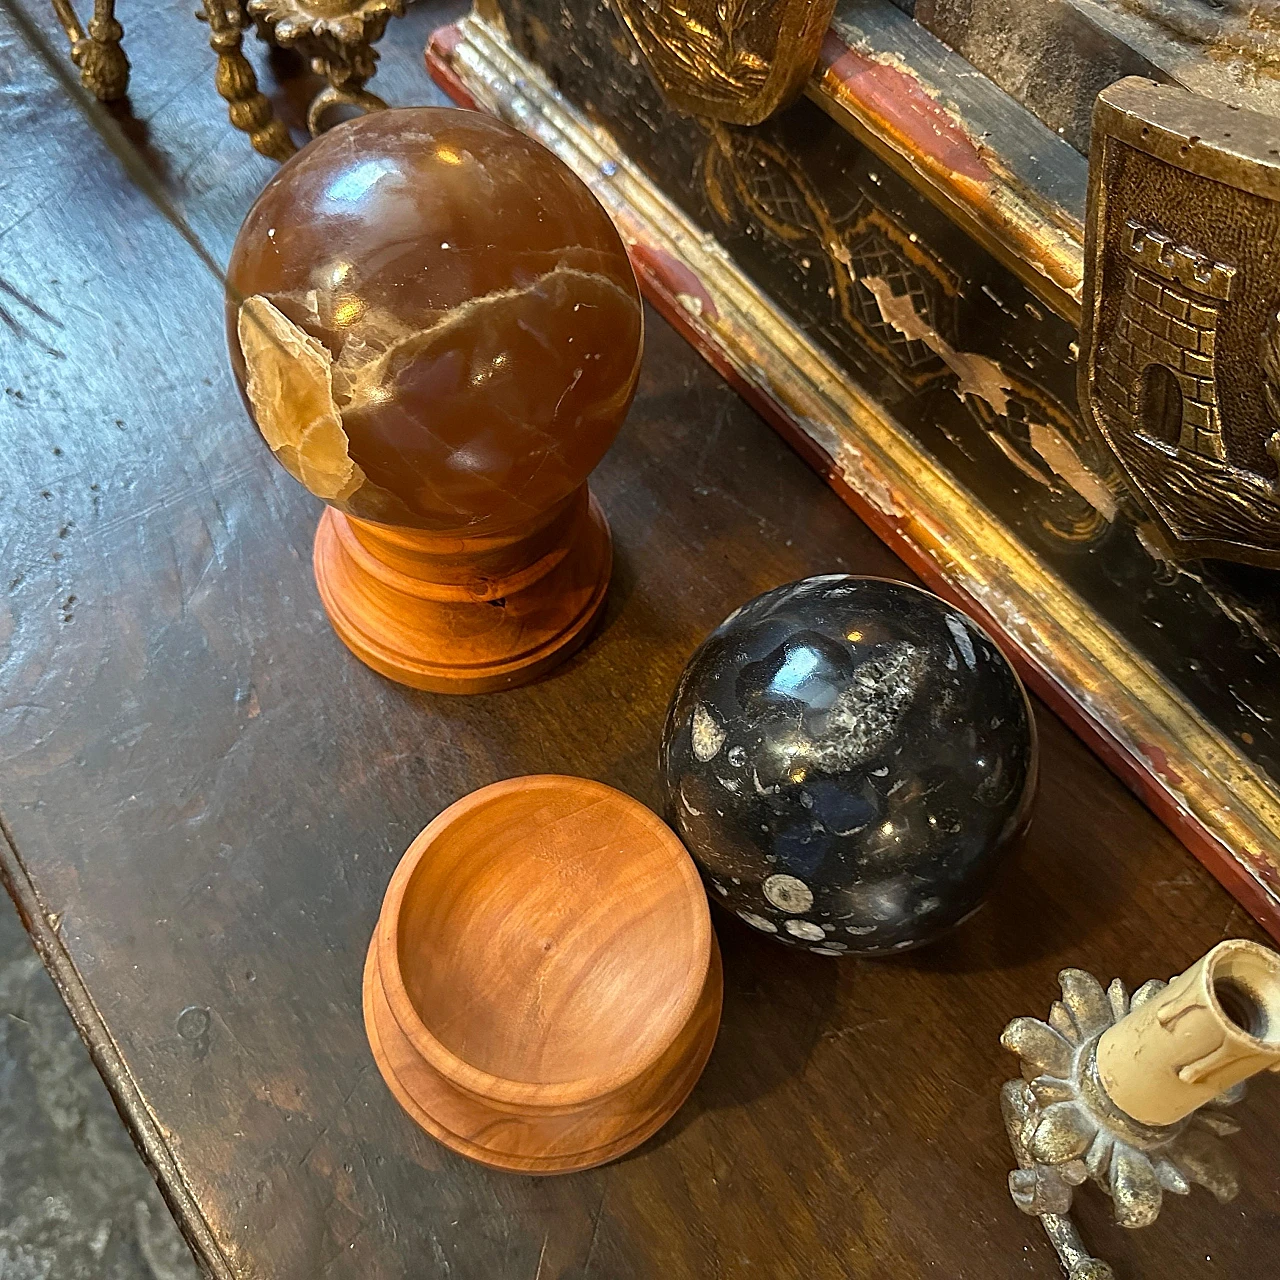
(1065, 1125)
(335, 36)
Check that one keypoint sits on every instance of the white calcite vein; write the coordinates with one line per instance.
(290, 386)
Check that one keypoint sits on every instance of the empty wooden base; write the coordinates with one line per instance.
(465, 615)
(543, 987)
(540, 1143)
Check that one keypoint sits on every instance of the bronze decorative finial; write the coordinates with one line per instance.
(337, 38)
(104, 68)
(248, 109)
(1130, 1092)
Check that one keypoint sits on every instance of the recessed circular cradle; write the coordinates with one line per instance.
(543, 987)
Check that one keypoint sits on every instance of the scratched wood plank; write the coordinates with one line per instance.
(203, 797)
(1048, 56)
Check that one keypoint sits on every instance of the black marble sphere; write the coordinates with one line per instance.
(848, 759)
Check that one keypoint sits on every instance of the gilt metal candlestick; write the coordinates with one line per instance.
(96, 49)
(1130, 1091)
(336, 37)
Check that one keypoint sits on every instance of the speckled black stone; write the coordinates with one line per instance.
(848, 759)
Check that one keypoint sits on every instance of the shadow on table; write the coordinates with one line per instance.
(797, 993)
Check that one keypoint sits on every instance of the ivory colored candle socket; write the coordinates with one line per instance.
(436, 329)
(1212, 1027)
(543, 986)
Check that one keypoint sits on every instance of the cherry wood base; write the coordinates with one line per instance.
(465, 615)
(543, 987)
(537, 1143)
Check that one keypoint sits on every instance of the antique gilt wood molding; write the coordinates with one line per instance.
(1211, 796)
(1006, 179)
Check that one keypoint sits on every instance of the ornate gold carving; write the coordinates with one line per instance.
(337, 37)
(104, 68)
(733, 60)
(1180, 328)
(1269, 359)
(247, 109)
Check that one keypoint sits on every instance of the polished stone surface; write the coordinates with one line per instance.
(434, 321)
(847, 759)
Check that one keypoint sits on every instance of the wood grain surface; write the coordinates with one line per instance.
(204, 796)
(419, 607)
(540, 992)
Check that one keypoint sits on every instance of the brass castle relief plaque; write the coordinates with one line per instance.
(1181, 363)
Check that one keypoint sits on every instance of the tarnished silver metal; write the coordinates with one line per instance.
(1017, 1105)
(1180, 349)
(1065, 1130)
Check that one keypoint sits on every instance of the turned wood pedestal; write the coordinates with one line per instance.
(465, 615)
(543, 987)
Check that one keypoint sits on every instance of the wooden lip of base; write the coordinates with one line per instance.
(619, 1096)
(418, 629)
(493, 1134)
(506, 798)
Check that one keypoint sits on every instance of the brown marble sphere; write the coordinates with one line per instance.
(434, 322)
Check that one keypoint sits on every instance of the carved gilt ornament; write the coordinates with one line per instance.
(732, 60)
(1180, 371)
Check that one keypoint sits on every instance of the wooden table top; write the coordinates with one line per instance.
(203, 797)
